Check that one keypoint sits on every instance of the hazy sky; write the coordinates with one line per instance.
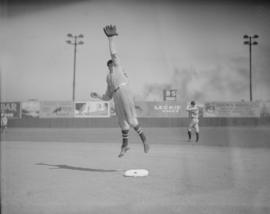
(194, 47)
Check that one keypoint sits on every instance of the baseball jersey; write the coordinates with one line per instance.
(193, 111)
(4, 121)
(115, 79)
(117, 88)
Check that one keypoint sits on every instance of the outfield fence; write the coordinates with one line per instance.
(146, 122)
(79, 114)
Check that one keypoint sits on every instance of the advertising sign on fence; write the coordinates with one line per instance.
(232, 109)
(30, 109)
(265, 109)
(160, 109)
(92, 109)
(56, 109)
(11, 109)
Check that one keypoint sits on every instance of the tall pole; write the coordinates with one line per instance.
(250, 42)
(74, 70)
(250, 70)
(75, 42)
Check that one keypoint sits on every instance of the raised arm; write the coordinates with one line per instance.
(112, 46)
(111, 32)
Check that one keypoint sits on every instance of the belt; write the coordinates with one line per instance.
(119, 86)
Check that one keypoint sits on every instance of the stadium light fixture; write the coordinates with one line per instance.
(75, 43)
(255, 36)
(249, 40)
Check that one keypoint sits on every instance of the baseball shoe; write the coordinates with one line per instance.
(123, 151)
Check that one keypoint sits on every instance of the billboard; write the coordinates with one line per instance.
(11, 109)
(92, 109)
(30, 109)
(232, 109)
(265, 109)
(160, 109)
(56, 109)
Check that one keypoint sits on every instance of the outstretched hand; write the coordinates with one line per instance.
(110, 30)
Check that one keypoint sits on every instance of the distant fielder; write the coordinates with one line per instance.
(4, 122)
(118, 90)
(193, 112)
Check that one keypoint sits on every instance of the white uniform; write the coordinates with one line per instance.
(118, 89)
(193, 112)
(4, 122)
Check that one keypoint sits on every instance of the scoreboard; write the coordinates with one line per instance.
(169, 94)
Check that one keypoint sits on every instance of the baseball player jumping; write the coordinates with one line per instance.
(193, 112)
(118, 90)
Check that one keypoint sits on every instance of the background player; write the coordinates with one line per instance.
(193, 113)
(4, 122)
(118, 90)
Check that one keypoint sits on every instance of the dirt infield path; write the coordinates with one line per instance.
(209, 136)
(58, 176)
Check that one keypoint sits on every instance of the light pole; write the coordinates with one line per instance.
(249, 40)
(75, 42)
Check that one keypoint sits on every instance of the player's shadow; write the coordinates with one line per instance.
(63, 166)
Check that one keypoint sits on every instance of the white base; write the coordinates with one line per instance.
(136, 173)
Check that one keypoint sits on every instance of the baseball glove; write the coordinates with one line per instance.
(110, 30)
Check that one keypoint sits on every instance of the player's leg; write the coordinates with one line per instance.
(189, 135)
(197, 131)
(124, 128)
(139, 130)
(131, 117)
(133, 121)
(3, 125)
(6, 125)
(124, 147)
(197, 137)
(189, 129)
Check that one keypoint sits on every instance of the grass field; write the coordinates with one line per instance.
(53, 171)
